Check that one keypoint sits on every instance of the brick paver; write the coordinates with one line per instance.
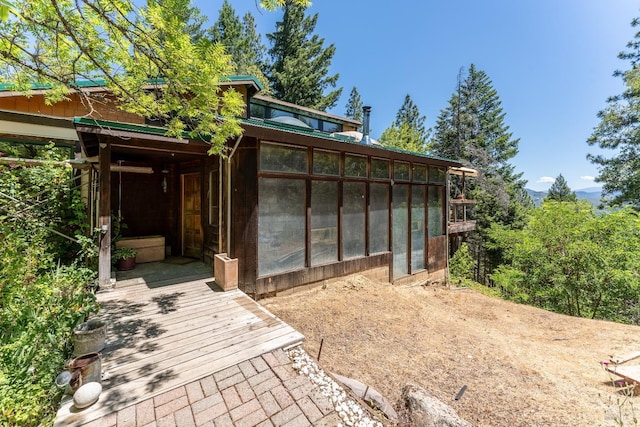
(265, 392)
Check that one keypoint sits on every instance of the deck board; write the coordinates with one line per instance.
(161, 336)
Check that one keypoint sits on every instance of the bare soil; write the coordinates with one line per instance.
(522, 366)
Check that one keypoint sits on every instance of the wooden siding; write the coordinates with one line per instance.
(437, 253)
(244, 214)
(271, 286)
(71, 108)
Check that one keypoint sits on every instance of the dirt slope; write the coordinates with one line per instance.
(522, 366)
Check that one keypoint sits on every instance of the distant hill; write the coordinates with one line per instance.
(591, 194)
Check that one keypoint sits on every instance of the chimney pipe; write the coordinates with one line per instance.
(366, 113)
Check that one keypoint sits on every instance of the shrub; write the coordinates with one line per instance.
(461, 264)
(44, 294)
(39, 311)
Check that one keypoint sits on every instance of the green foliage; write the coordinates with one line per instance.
(130, 48)
(123, 253)
(354, 105)
(33, 199)
(560, 191)
(461, 263)
(407, 131)
(404, 137)
(472, 129)
(572, 260)
(39, 309)
(619, 132)
(295, 48)
(43, 292)
(242, 42)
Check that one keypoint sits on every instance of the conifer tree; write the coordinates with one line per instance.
(242, 42)
(300, 62)
(472, 129)
(560, 191)
(354, 105)
(619, 131)
(408, 131)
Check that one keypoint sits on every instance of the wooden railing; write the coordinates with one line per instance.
(460, 216)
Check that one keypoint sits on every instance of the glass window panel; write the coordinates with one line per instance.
(314, 123)
(281, 225)
(401, 171)
(324, 222)
(378, 218)
(258, 111)
(417, 227)
(400, 230)
(435, 204)
(273, 112)
(282, 158)
(379, 169)
(326, 162)
(353, 230)
(437, 175)
(355, 166)
(419, 173)
(331, 127)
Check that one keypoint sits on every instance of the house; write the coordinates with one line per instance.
(297, 200)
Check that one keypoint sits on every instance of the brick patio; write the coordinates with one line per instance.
(263, 391)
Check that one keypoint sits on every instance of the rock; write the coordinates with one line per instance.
(87, 395)
(427, 411)
(369, 394)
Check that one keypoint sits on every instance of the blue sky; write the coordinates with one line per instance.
(551, 62)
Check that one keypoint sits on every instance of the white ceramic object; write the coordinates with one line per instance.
(87, 395)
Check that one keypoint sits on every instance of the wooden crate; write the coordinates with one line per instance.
(149, 248)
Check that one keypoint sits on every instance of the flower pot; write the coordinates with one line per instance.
(125, 264)
(89, 337)
(89, 366)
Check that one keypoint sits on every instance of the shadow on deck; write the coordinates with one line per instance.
(169, 325)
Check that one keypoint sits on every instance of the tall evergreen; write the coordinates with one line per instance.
(354, 105)
(619, 131)
(408, 131)
(472, 129)
(560, 191)
(242, 42)
(300, 63)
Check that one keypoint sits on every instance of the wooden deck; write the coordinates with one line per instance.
(164, 334)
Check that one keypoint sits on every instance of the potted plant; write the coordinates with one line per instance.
(125, 258)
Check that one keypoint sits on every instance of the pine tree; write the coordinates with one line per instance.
(472, 129)
(408, 131)
(300, 63)
(354, 105)
(560, 191)
(242, 42)
(619, 131)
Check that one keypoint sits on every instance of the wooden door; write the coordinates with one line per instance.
(191, 215)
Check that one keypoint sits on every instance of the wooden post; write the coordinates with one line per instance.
(104, 217)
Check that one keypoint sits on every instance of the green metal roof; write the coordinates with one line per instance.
(269, 124)
(162, 131)
(129, 127)
(84, 84)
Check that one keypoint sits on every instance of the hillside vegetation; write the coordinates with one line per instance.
(523, 366)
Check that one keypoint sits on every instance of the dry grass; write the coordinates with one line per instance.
(522, 366)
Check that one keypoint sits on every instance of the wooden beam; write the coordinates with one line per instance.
(130, 169)
(104, 220)
(76, 164)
